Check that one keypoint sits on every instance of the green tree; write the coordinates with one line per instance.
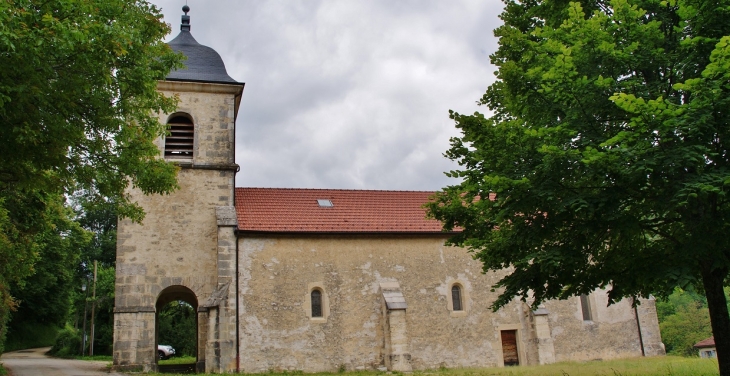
(178, 327)
(678, 299)
(604, 160)
(16, 260)
(101, 221)
(77, 102)
(78, 96)
(45, 297)
(684, 320)
(104, 314)
(689, 325)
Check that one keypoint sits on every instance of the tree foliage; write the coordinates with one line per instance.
(44, 297)
(77, 102)
(604, 160)
(78, 96)
(104, 314)
(101, 221)
(44, 282)
(684, 320)
(178, 327)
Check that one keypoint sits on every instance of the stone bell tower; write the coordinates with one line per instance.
(185, 247)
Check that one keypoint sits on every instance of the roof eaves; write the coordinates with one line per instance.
(206, 81)
(324, 232)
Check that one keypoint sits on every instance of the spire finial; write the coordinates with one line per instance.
(185, 25)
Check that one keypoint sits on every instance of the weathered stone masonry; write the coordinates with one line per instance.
(362, 333)
(186, 239)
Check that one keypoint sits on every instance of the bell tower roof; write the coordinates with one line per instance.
(203, 64)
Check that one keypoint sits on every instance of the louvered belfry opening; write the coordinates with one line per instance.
(179, 143)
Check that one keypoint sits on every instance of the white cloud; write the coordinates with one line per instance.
(348, 94)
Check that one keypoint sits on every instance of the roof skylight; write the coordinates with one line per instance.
(325, 203)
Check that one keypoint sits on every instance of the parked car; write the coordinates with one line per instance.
(165, 351)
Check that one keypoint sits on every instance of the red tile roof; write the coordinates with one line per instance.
(710, 342)
(353, 211)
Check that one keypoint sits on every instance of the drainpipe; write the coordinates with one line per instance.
(236, 99)
(238, 336)
(638, 325)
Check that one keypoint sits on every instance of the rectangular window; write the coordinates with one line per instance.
(325, 203)
(586, 307)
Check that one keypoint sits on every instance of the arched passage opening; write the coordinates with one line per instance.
(176, 325)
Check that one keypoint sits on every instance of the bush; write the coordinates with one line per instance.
(29, 335)
(68, 342)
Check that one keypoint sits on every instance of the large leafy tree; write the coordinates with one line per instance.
(77, 105)
(604, 160)
(45, 297)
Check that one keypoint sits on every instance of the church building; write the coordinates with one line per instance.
(323, 279)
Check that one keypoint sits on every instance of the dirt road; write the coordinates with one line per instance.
(33, 362)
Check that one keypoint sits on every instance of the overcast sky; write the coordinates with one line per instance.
(347, 94)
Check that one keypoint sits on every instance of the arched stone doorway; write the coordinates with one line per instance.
(178, 293)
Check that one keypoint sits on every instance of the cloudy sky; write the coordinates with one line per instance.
(349, 94)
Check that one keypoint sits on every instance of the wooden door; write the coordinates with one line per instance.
(509, 348)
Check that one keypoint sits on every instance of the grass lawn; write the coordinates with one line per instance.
(654, 366)
(666, 365)
(178, 360)
(103, 358)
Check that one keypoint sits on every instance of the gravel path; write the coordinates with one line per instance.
(34, 362)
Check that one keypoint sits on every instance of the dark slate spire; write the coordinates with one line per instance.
(185, 25)
(203, 64)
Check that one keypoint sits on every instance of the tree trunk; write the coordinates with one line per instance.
(713, 279)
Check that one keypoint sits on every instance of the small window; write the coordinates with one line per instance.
(316, 306)
(586, 307)
(456, 298)
(325, 203)
(179, 143)
(316, 303)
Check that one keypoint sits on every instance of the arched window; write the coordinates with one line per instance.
(179, 143)
(456, 298)
(316, 303)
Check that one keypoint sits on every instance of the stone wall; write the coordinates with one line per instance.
(572, 335)
(278, 272)
(213, 110)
